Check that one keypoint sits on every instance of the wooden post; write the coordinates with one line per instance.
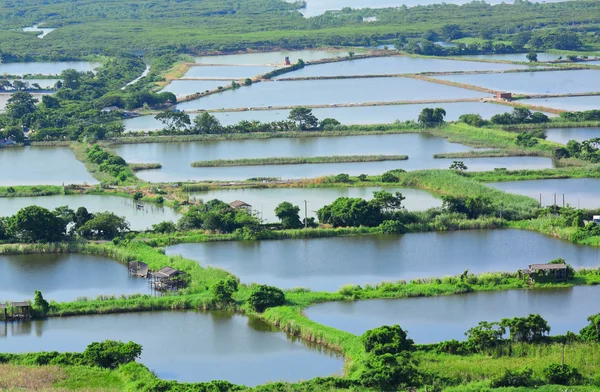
(563, 200)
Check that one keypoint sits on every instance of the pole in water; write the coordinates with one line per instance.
(563, 200)
(540, 201)
(555, 200)
(305, 216)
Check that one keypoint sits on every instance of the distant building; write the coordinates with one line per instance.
(239, 204)
(507, 96)
(287, 61)
(110, 109)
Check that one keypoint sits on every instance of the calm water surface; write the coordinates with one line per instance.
(551, 82)
(184, 346)
(227, 71)
(355, 115)
(264, 201)
(46, 68)
(513, 56)
(329, 92)
(567, 103)
(182, 88)
(176, 158)
(563, 135)
(578, 192)
(139, 219)
(42, 166)
(45, 32)
(329, 263)
(271, 57)
(565, 310)
(64, 277)
(395, 65)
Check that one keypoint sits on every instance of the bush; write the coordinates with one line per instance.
(110, 353)
(342, 177)
(223, 290)
(386, 340)
(513, 378)
(164, 227)
(389, 177)
(138, 195)
(562, 374)
(264, 297)
(40, 303)
(392, 227)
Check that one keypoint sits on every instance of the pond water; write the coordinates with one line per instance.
(42, 166)
(563, 135)
(549, 82)
(271, 57)
(329, 92)
(513, 56)
(139, 219)
(46, 68)
(227, 71)
(394, 65)
(318, 7)
(44, 31)
(176, 158)
(264, 201)
(565, 310)
(346, 115)
(567, 103)
(182, 88)
(578, 192)
(330, 263)
(184, 346)
(65, 277)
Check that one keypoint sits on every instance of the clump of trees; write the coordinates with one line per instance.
(520, 115)
(264, 297)
(587, 150)
(109, 162)
(430, 118)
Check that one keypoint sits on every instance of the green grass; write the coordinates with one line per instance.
(490, 154)
(592, 171)
(298, 160)
(28, 191)
(144, 166)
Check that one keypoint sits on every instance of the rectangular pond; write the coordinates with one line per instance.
(563, 135)
(264, 201)
(176, 158)
(42, 166)
(330, 92)
(139, 218)
(395, 65)
(362, 115)
(186, 346)
(183, 88)
(565, 309)
(227, 71)
(270, 58)
(46, 68)
(549, 82)
(578, 192)
(513, 56)
(65, 277)
(573, 104)
(326, 264)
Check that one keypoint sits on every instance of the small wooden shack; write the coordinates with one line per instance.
(287, 61)
(545, 272)
(239, 204)
(138, 268)
(20, 310)
(507, 96)
(167, 279)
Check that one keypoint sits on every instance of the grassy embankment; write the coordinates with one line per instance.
(298, 160)
(144, 166)
(80, 151)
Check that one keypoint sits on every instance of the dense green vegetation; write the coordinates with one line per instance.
(298, 160)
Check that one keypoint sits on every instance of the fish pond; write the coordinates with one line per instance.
(362, 115)
(395, 65)
(185, 346)
(140, 215)
(578, 192)
(567, 103)
(65, 277)
(548, 82)
(279, 93)
(513, 57)
(46, 68)
(264, 201)
(329, 263)
(182, 88)
(176, 158)
(563, 135)
(42, 165)
(270, 58)
(565, 309)
(227, 71)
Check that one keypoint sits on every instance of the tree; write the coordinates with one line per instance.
(532, 328)
(388, 372)
(247, 82)
(386, 340)
(388, 202)
(110, 354)
(40, 303)
(304, 118)
(329, 123)
(173, 120)
(562, 374)
(353, 212)
(458, 165)
(224, 289)
(429, 118)
(20, 104)
(472, 119)
(288, 214)
(389, 176)
(264, 297)
(50, 102)
(532, 57)
(15, 134)
(71, 79)
(104, 225)
(81, 217)
(484, 335)
(206, 123)
(164, 227)
(342, 177)
(526, 139)
(36, 224)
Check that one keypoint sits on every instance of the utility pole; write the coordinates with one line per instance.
(305, 215)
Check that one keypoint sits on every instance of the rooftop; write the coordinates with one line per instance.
(239, 203)
(538, 267)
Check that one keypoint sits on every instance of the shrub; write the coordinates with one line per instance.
(164, 227)
(386, 340)
(342, 177)
(40, 303)
(110, 353)
(562, 374)
(223, 290)
(513, 378)
(362, 177)
(389, 177)
(264, 297)
(392, 227)
(138, 195)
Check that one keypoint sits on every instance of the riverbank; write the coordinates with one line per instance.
(298, 160)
